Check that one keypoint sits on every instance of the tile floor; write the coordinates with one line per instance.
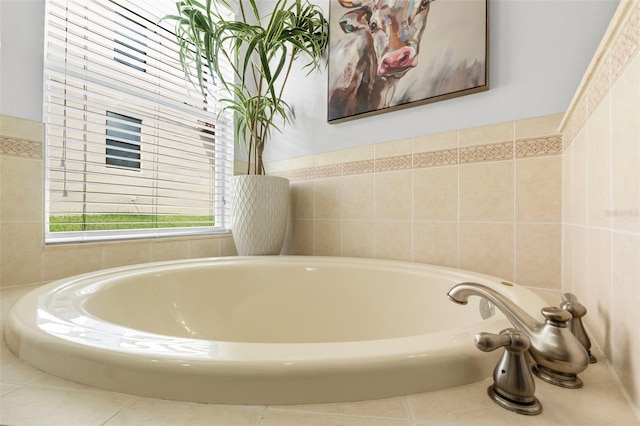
(31, 397)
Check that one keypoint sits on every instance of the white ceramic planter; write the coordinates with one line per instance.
(259, 212)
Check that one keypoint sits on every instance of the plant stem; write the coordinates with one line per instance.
(286, 76)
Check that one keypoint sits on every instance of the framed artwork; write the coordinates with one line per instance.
(386, 55)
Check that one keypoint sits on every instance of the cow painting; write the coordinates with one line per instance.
(376, 46)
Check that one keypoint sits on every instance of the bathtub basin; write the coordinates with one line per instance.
(261, 330)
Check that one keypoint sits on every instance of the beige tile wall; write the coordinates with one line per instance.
(487, 199)
(601, 168)
(24, 259)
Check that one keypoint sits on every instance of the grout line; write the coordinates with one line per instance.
(625, 393)
(14, 387)
(126, 405)
(588, 295)
(563, 243)
(514, 229)
(612, 287)
(338, 414)
(373, 216)
(412, 205)
(314, 218)
(409, 408)
(587, 227)
(341, 220)
(458, 201)
(262, 415)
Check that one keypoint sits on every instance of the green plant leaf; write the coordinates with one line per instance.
(260, 51)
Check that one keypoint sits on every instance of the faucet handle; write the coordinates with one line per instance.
(569, 297)
(513, 386)
(556, 316)
(577, 310)
(488, 342)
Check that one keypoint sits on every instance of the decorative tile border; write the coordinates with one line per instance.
(332, 170)
(400, 162)
(600, 85)
(23, 148)
(620, 45)
(493, 152)
(577, 121)
(297, 174)
(358, 167)
(524, 148)
(627, 44)
(446, 157)
(539, 147)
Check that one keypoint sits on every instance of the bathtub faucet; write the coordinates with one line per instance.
(558, 354)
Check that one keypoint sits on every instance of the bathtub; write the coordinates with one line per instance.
(261, 330)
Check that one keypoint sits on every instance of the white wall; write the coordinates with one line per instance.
(21, 58)
(539, 51)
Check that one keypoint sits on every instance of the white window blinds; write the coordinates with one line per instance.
(133, 149)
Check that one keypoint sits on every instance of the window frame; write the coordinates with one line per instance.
(206, 131)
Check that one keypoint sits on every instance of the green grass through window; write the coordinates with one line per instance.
(103, 222)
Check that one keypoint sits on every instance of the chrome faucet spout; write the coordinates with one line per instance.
(518, 316)
(558, 354)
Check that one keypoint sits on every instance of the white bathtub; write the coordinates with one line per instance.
(261, 330)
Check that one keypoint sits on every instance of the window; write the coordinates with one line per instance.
(133, 150)
(120, 153)
(131, 43)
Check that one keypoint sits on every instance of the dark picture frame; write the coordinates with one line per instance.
(387, 55)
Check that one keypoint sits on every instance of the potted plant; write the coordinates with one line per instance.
(261, 51)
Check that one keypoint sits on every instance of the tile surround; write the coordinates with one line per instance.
(601, 163)
(627, 42)
(435, 194)
(358, 197)
(445, 157)
(328, 198)
(329, 238)
(492, 134)
(26, 132)
(436, 243)
(357, 238)
(480, 153)
(23, 148)
(532, 239)
(523, 148)
(538, 147)
(489, 248)
(538, 195)
(392, 240)
(393, 195)
(625, 152)
(487, 192)
(617, 51)
(392, 198)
